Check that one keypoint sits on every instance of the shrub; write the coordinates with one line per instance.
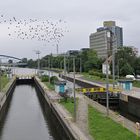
(53, 79)
(45, 78)
(110, 77)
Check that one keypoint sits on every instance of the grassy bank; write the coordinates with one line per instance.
(136, 84)
(69, 104)
(95, 78)
(4, 81)
(49, 85)
(103, 128)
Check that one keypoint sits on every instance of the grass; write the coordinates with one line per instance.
(50, 86)
(136, 84)
(95, 78)
(103, 128)
(69, 104)
(4, 81)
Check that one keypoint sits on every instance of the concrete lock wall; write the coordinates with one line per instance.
(69, 132)
(131, 107)
(4, 95)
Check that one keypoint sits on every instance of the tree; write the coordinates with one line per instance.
(125, 57)
(10, 61)
(92, 62)
(24, 60)
(137, 66)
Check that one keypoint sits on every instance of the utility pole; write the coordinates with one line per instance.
(0, 76)
(57, 49)
(74, 89)
(112, 37)
(38, 60)
(65, 66)
(107, 88)
(107, 66)
(80, 65)
(49, 68)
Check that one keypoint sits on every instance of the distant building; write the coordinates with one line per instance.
(72, 52)
(84, 49)
(99, 41)
(117, 31)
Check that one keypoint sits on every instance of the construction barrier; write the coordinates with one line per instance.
(97, 90)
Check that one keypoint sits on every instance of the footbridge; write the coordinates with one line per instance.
(12, 64)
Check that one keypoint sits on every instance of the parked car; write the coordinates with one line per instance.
(130, 77)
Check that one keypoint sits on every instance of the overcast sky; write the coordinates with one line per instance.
(82, 16)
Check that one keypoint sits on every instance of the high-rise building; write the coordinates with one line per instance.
(100, 42)
(116, 30)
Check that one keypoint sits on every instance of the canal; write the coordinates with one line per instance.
(26, 116)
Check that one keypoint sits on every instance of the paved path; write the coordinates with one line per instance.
(82, 116)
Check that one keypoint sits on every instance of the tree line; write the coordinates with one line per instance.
(126, 62)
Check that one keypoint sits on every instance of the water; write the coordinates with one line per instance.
(26, 116)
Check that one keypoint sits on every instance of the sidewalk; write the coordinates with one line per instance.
(82, 116)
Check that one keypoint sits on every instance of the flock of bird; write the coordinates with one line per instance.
(34, 29)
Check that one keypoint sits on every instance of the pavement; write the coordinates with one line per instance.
(82, 116)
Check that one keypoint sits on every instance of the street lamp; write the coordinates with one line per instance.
(74, 88)
(0, 75)
(107, 80)
(65, 67)
(49, 68)
(109, 45)
(38, 63)
(80, 65)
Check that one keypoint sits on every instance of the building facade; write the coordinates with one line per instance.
(99, 40)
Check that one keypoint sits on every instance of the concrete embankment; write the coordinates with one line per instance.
(82, 82)
(65, 119)
(7, 91)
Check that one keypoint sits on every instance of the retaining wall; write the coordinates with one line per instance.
(9, 89)
(68, 126)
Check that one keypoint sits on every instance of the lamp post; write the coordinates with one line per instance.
(0, 75)
(107, 80)
(80, 65)
(74, 88)
(65, 67)
(113, 56)
(57, 49)
(49, 68)
(38, 60)
(109, 45)
(112, 40)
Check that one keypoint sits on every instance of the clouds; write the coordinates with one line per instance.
(82, 16)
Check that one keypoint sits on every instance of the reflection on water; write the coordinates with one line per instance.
(27, 117)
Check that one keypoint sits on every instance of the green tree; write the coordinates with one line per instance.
(126, 58)
(92, 62)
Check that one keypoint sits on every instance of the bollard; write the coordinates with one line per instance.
(137, 129)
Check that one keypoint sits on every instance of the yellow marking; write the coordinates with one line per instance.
(100, 89)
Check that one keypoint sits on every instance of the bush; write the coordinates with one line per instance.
(45, 78)
(103, 76)
(91, 72)
(96, 73)
(110, 76)
(53, 79)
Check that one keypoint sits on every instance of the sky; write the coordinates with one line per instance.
(82, 18)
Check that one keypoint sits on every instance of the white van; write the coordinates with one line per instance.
(130, 77)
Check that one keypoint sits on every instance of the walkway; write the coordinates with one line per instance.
(82, 116)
